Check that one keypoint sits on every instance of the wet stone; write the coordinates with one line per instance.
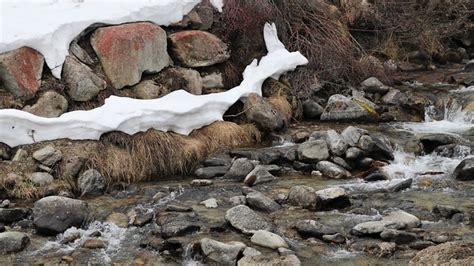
(246, 220)
(311, 228)
(177, 223)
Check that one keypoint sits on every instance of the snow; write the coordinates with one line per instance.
(49, 26)
(179, 111)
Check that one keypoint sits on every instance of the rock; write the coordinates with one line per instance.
(303, 196)
(192, 79)
(311, 228)
(213, 81)
(117, 218)
(124, 66)
(336, 143)
(263, 113)
(399, 186)
(13, 242)
(258, 175)
(332, 170)
(5, 152)
(285, 252)
(313, 151)
(12, 215)
(336, 238)
(259, 201)
(211, 172)
(381, 249)
(221, 253)
(20, 71)
(393, 219)
(48, 155)
(79, 53)
(94, 244)
(451, 253)
(446, 211)
(432, 141)
(342, 108)
(218, 160)
(176, 207)
(332, 198)
(40, 178)
(238, 200)
(20, 155)
(373, 85)
(201, 17)
(210, 203)
(201, 183)
(341, 162)
(352, 135)
(375, 148)
(82, 83)
(394, 97)
(397, 236)
(91, 183)
(50, 104)
(139, 216)
(312, 110)
(354, 154)
(249, 252)
(300, 136)
(72, 166)
(55, 214)
(240, 169)
(177, 223)
(149, 89)
(469, 67)
(264, 260)
(269, 240)
(465, 170)
(194, 48)
(244, 219)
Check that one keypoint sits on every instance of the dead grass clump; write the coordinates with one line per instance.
(155, 154)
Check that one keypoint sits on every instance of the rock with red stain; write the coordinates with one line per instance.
(20, 71)
(127, 51)
(194, 48)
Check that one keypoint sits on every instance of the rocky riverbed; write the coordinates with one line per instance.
(361, 196)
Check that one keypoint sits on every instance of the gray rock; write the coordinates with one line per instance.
(13, 242)
(336, 238)
(392, 219)
(259, 201)
(81, 54)
(148, 89)
(201, 183)
(82, 83)
(397, 236)
(342, 108)
(258, 175)
(332, 198)
(451, 253)
(213, 81)
(394, 97)
(240, 169)
(312, 109)
(20, 155)
(375, 148)
(238, 200)
(469, 67)
(465, 170)
(445, 211)
(313, 151)
(192, 78)
(247, 221)
(432, 141)
(263, 113)
(91, 183)
(54, 214)
(48, 155)
(332, 170)
(220, 252)
(373, 85)
(249, 252)
(40, 178)
(269, 240)
(336, 143)
(303, 196)
(354, 153)
(266, 260)
(311, 228)
(175, 224)
(210, 203)
(352, 135)
(11, 215)
(341, 162)
(50, 104)
(211, 172)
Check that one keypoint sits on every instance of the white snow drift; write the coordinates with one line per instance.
(178, 111)
(49, 26)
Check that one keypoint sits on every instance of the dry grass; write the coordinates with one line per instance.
(155, 154)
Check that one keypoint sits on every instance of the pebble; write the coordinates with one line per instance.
(210, 203)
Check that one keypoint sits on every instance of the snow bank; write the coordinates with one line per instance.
(49, 26)
(178, 111)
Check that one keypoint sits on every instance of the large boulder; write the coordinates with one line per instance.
(263, 113)
(194, 48)
(375, 147)
(245, 220)
(82, 83)
(342, 108)
(313, 151)
(336, 143)
(13, 242)
(55, 214)
(91, 183)
(20, 71)
(450, 253)
(220, 252)
(50, 104)
(465, 170)
(127, 51)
